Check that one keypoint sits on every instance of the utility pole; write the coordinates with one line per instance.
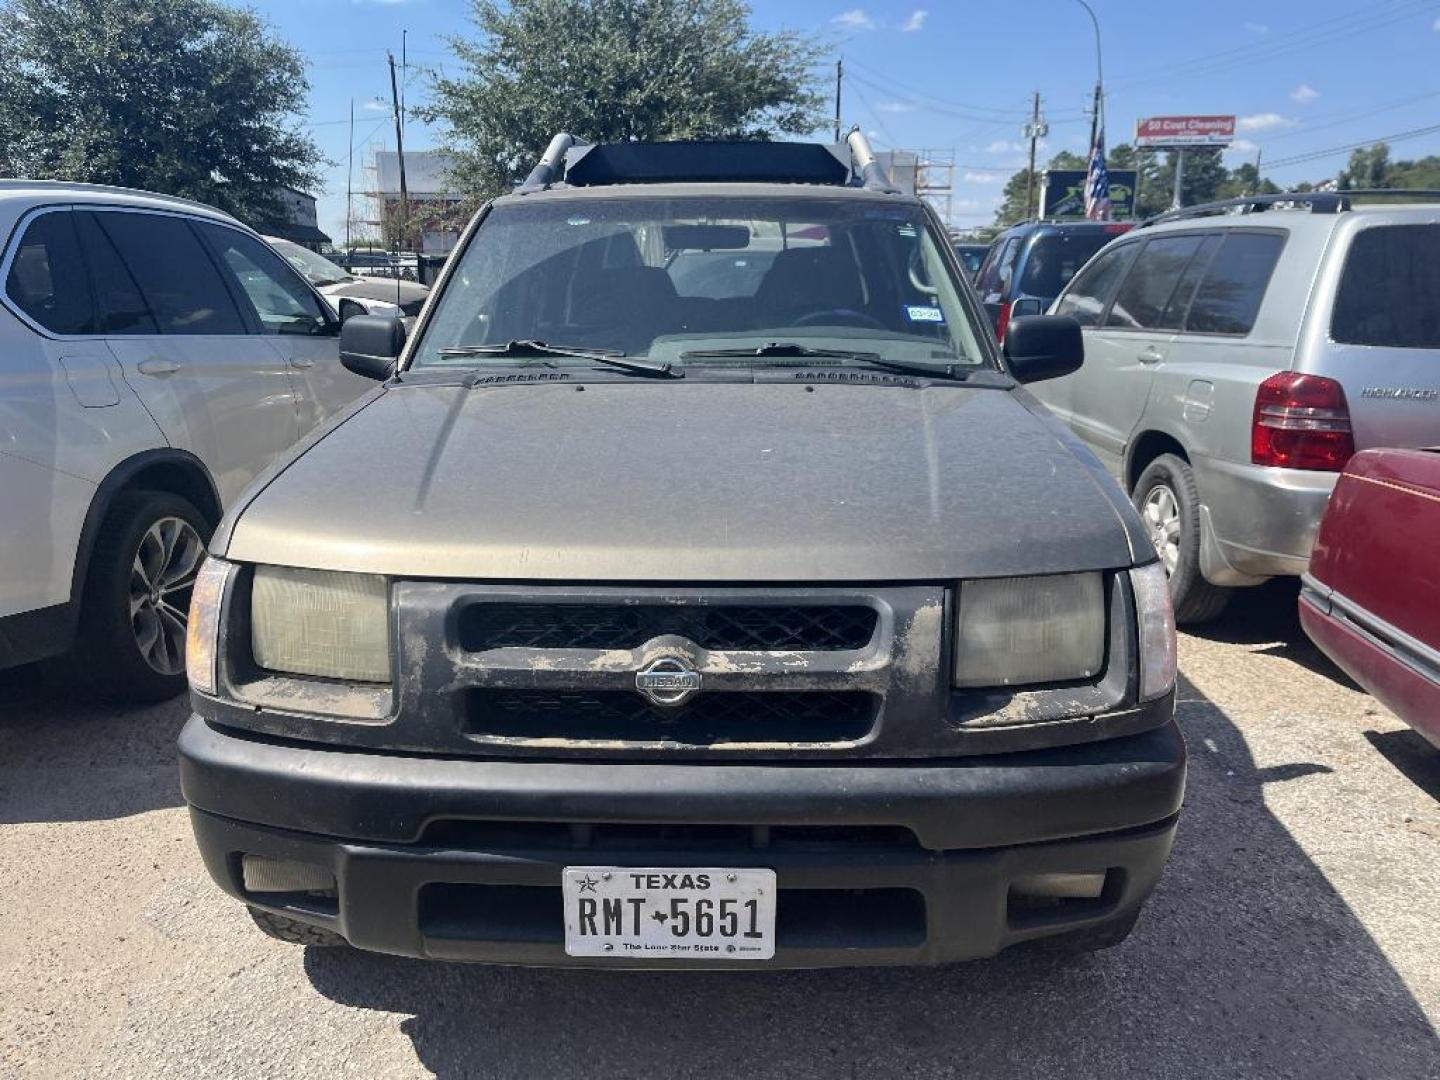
(1255, 188)
(350, 179)
(1176, 200)
(400, 155)
(1036, 130)
(839, 79)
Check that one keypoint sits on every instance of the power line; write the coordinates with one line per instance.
(1321, 32)
(1347, 117)
(1315, 155)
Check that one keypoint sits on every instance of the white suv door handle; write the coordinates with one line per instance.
(155, 365)
(302, 361)
(1151, 355)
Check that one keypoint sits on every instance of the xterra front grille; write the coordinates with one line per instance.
(747, 627)
(631, 838)
(709, 719)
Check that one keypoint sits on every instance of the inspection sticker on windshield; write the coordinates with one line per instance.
(924, 313)
(639, 912)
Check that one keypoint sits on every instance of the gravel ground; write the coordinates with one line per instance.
(1296, 932)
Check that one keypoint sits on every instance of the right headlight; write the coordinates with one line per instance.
(1155, 626)
(1024, 631)
(325, 623)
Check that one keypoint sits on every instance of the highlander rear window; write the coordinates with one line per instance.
(1390, 291)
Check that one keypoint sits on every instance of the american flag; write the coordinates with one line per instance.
(1097, 182)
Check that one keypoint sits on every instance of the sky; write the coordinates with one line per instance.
(1308, 79)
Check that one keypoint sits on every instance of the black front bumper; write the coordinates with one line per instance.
(877, 863)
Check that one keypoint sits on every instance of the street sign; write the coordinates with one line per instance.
(1062, 195)
(1172, 132)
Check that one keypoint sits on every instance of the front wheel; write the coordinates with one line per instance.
(130, 645)
(1169, 505)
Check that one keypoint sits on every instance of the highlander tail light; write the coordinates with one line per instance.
(1002, 323)
(1301, 422)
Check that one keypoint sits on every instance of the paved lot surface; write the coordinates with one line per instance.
(1296, 933)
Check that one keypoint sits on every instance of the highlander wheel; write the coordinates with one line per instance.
(1169, 506)
(1161, 511)
(130, 644)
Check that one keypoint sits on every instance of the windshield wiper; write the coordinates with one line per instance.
(579, 352)
(794, 350)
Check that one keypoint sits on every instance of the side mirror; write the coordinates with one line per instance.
(1040, 347)
(370, 344)
(1026, 307)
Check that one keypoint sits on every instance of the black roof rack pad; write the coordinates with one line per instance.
(721, 162)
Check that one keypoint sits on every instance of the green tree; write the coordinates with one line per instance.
(1205, 173)
(614, 71)
(186, 97)
(1371, 167)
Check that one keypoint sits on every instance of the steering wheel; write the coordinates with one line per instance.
(843, 316)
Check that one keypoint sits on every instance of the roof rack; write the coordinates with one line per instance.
(581, 164)
(1319, 202)
(104, 189)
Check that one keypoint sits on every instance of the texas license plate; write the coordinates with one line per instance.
(641, 912)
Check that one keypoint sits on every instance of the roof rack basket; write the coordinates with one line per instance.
(1319, 202)
(582, 164)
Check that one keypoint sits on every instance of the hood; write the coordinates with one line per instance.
(691, 482)
(380, 289)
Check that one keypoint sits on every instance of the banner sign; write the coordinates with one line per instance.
(1166, 132)
(1062, 193)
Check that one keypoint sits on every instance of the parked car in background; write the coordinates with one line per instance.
(1030, 263)
(888, 680)
(155, 355)
(1371, 599)
(971, 256)
(1236, 355)
(349, 294)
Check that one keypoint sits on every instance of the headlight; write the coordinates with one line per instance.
(203, 629)
(1021, 631)
(321, 622)
(1155, 623)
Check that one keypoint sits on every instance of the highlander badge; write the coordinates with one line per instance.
(667, 681)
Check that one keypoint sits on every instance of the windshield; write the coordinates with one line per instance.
(317, 269)
(658, 277)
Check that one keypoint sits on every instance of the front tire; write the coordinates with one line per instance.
(1169, 505)
(294, 932)
(130, 645)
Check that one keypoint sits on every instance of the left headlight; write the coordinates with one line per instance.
(1024, 631)
(326, 623)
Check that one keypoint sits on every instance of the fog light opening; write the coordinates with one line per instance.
(1060, 897)
(262, 874)
(1060, 886)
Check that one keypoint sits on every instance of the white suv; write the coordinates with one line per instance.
(1237, 354)
(155, 355)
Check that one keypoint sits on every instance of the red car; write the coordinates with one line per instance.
(1371, 600)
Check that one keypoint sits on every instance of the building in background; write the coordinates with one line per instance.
(296, 221)
(929, 174)
(436, 213)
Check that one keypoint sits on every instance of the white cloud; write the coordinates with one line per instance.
(1265, 121)
(854, 19)
(895, 106)
(375, 105)
(1243, 146)
(1003, 146)
(1435, 26)
(1257, 28)
(915, 22)
(1304, 94)
(982, 178)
